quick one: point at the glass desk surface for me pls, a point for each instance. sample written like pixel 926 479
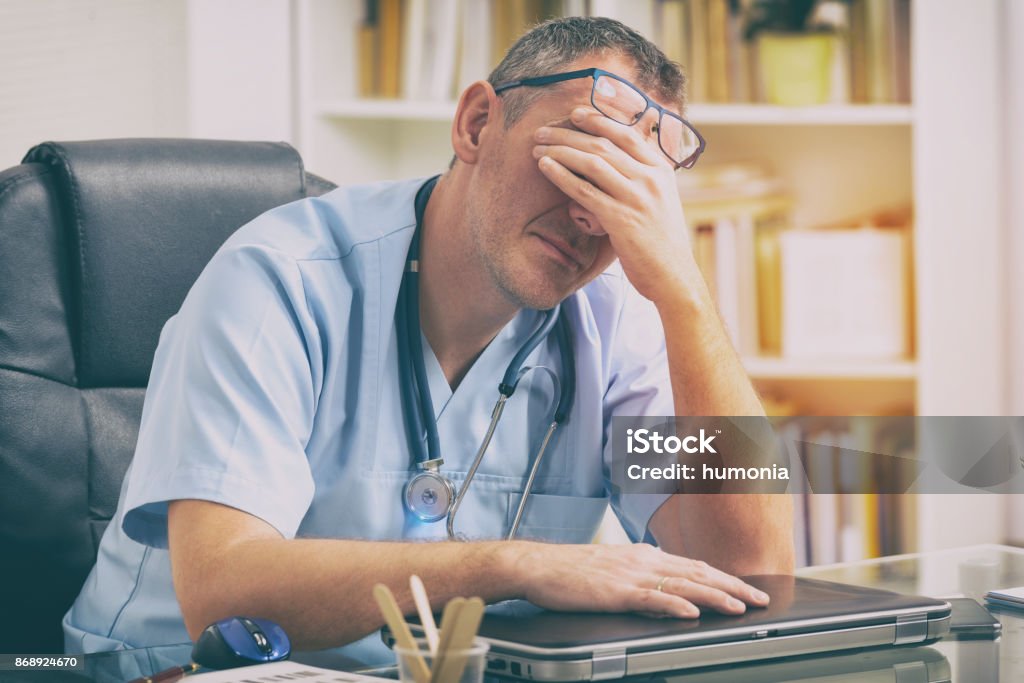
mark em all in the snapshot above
pixel 945 574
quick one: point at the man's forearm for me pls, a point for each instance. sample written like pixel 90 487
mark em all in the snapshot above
pixel 708 379
pixel 707 375
pixel 329 583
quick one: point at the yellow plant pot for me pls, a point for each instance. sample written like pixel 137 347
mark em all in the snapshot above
pixel 796 68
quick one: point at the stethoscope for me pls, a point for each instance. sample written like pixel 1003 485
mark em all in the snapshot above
pixel 430 495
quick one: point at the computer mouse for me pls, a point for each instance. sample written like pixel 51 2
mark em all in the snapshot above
pixel 240 641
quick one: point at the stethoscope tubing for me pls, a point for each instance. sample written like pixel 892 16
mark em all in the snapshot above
pixel 416 399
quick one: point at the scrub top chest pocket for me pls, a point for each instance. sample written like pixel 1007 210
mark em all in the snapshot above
pixel 558 519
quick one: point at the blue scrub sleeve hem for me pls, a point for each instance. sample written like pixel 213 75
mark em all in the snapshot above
pixel 635 510
pixel 146 518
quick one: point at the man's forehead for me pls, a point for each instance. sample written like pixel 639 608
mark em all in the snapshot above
pixel 577 91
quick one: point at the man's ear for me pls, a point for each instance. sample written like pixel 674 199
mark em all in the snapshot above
pixel 478 112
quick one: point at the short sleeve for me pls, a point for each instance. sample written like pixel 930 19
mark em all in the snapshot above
pixel 638 385
pixel 231 399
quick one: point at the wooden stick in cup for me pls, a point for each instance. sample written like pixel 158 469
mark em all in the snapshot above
pixel 400 629
pixel 449 668
pixel 449 617
pixel 419 596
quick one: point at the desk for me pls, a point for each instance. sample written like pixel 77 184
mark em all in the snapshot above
pixel 935 574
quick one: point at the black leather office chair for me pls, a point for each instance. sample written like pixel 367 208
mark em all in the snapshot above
pixel 99 243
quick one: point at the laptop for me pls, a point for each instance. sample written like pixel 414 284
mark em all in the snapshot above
pixel 876 665
pixel 806 616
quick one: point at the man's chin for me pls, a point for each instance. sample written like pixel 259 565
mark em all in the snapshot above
pixel 540 299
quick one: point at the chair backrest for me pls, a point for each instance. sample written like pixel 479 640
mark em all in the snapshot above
pixel 99 243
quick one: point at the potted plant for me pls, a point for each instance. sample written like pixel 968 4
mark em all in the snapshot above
pixel 796 46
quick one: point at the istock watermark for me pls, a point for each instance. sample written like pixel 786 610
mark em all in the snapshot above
pixel 890 454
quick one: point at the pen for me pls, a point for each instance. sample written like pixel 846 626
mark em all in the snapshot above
pixel 168 675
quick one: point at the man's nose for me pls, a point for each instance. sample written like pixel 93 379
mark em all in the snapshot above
pixel 647 124
pixel 584 220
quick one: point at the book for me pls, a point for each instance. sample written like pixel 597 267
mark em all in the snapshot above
pixel 878 50
pixel 474 43
pixel 507 21
pixel 440 50
pixel 672 33
pixel 366 46
pixel 844 294
pixel 704 255
pixel 727 278
pixel 746 283
pixel 717 56
pixel 697 59
pixel 414 30
pixel 389 48
pixel 769 285
pixel 901 37
pixel 824 507
pixel 858 67
pixel 738 72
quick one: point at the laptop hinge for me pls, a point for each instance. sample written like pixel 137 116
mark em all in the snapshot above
pixel 911 628
pixel 609 664
pixel 911 672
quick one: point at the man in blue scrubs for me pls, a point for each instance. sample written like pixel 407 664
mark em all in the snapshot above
pixel 268 477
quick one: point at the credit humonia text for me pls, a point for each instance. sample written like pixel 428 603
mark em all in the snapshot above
pixel 646 441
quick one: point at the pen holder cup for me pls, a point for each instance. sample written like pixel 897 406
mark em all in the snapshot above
pixel 454 666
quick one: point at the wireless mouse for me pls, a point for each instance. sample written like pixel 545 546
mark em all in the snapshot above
pixel 240 641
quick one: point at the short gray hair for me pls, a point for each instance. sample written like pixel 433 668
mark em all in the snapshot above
pixel 551 45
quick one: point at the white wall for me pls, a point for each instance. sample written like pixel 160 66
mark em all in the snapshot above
pixel 1013 115
pixel 239 69
pixel 74 69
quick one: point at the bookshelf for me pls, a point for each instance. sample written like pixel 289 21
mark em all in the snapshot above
pixel 940 155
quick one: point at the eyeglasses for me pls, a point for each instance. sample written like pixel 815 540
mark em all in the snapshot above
pixel 624 103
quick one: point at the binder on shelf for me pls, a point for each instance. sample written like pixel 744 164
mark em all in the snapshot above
pixel 844 294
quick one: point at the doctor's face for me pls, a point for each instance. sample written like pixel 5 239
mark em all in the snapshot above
pixel 538 245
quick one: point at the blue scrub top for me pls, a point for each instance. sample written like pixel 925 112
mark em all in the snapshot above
pixel 275 390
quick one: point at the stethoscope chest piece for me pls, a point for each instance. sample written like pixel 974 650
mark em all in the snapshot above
pixel 429 494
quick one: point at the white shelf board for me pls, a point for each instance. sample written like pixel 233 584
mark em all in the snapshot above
pixel 824 115
pixel 704 114
pixel 785 368
pixel 397 110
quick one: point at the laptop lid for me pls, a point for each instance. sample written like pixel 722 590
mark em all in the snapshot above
pixel 805 616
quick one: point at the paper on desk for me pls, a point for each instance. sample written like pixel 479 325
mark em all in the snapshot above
pixel 281 672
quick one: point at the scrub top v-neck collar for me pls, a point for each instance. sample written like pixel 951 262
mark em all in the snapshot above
pixel 480 383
